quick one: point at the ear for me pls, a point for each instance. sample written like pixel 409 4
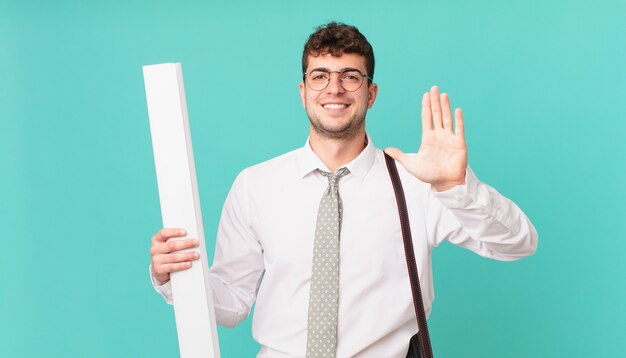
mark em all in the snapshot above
pixel 372 92
pixel 302 90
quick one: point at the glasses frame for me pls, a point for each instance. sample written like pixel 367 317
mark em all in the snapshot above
pixel 340 80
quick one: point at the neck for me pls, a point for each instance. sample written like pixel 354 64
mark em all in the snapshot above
pixel 336 153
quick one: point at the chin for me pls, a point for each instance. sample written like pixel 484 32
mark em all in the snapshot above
pixel 347 131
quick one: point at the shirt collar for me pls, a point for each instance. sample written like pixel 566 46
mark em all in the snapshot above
pixel 359 167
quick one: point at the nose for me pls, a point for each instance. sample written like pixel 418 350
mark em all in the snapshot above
pixel 334 86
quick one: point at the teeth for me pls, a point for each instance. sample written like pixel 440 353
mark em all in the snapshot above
pixel 335 106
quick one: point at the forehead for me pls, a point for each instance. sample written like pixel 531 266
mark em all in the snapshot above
pixel 336 63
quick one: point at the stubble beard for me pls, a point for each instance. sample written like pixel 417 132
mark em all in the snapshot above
pixel 345 132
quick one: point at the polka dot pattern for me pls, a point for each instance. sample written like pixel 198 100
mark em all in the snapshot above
pixel 324 293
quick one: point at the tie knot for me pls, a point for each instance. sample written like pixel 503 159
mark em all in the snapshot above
pixel 333 179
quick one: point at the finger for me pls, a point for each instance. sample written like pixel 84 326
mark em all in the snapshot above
pixel 175 258
pixel 159 248
pixel 460 124
pixel 164 234
pixel 447 115
pixel 169 268
pixel 435 107
pixel 177 245
pixel 427 119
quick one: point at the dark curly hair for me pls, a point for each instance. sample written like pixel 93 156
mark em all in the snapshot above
pixel 335 38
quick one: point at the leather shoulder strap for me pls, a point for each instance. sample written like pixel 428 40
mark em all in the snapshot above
pixel 410 258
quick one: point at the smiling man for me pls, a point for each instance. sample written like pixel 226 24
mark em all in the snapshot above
pixel 313 236
pixel 337 111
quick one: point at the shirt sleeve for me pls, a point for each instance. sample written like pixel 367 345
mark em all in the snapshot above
pixel 475 216
pixel 164 289
pixel 238 262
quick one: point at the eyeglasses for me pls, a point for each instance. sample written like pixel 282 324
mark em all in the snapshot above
pixel 351 79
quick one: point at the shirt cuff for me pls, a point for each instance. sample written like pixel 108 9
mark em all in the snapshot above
pixel 164 290
pixel 459 196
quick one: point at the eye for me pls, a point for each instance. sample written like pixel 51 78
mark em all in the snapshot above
pixel 319 76
pixel 351 76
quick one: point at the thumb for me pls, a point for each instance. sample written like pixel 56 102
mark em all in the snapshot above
pixel 397 155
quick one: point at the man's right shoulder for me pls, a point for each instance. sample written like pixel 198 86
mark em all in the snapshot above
pixel 282 165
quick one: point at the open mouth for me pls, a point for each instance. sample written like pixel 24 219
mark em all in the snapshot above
pixel 335 106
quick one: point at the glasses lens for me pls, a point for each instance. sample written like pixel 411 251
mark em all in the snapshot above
pixel 351 80
pixel 318 80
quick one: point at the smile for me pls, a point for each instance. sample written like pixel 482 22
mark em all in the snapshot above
pixel 335 105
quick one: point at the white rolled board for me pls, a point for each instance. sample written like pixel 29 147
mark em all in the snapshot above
pixel 180 206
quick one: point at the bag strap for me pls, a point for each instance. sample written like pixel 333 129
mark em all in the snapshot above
pixel 418 303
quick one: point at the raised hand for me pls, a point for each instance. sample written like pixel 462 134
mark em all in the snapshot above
pixel 442 157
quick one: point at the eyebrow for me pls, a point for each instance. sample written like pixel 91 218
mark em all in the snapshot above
pixel 341 70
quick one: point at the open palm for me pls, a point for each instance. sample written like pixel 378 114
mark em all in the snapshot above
pixel 442 157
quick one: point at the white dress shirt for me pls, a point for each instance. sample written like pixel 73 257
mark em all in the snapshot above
pixel 265 245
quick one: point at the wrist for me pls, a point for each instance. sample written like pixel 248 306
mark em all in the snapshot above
pixel 443 186
pixel 161 279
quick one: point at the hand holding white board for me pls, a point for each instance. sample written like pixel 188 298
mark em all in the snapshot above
pixel 180 206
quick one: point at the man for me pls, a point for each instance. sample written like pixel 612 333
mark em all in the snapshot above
pixel 279 244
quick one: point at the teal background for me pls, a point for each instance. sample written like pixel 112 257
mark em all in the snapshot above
pixel 542 85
